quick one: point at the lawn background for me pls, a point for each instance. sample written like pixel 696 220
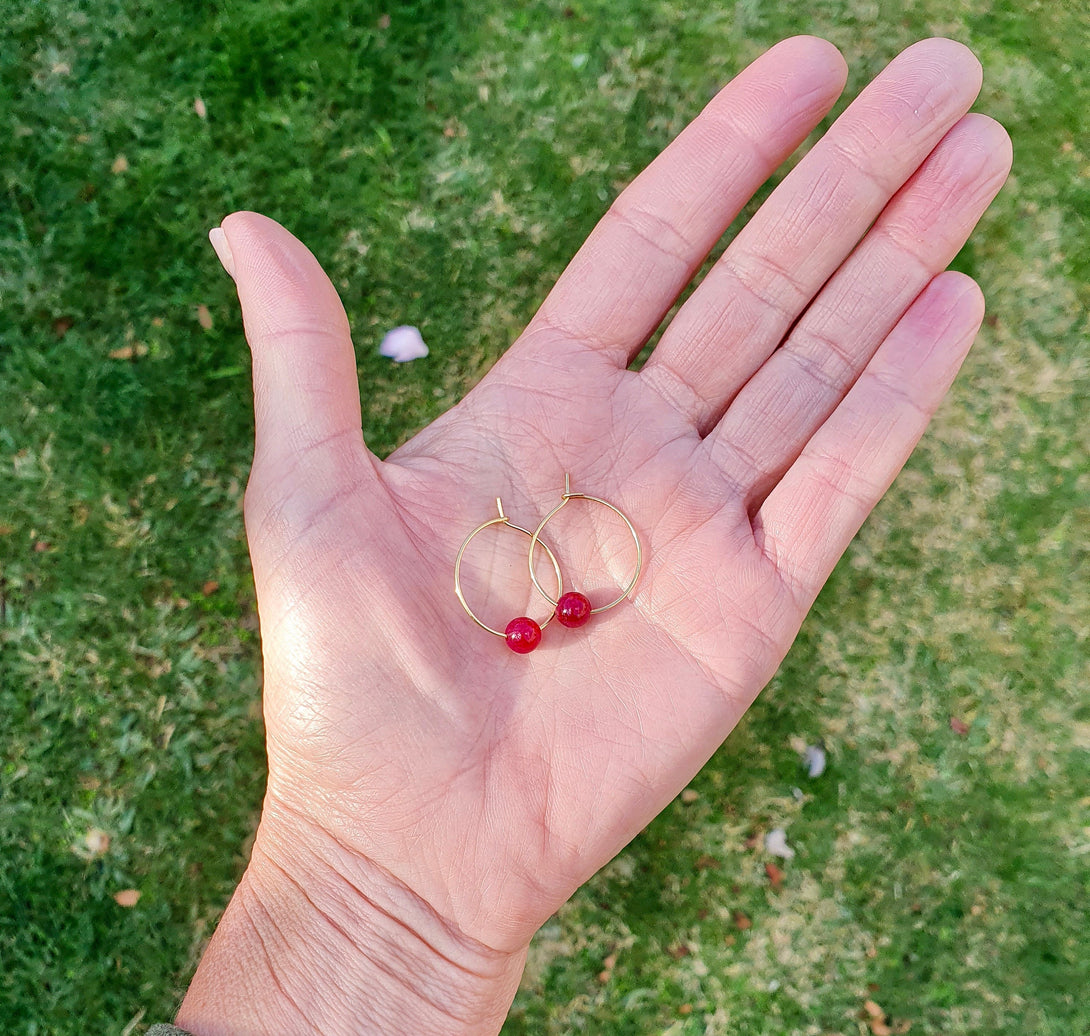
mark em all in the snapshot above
pixel 443 160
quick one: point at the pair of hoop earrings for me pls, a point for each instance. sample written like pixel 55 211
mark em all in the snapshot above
pixel 571 609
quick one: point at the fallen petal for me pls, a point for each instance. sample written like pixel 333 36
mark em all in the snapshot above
pixel 959 726
pixel 131 351
pixel 96 843
pixel 775 876
pixel 776 844
pixel 403 344
pixel 814 760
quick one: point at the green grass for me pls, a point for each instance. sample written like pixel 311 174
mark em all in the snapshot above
pixel 444 168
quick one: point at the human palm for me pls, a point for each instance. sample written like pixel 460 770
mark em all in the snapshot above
pixel 778 405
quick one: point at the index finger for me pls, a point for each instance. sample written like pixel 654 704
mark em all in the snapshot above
pixel 647 247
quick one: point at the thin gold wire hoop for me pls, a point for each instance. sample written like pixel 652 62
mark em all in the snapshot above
pixel 536 541
pixel 502 520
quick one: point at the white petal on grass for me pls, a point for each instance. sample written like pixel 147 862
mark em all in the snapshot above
pixel 776 844
pixel 814 760
pixel 403 344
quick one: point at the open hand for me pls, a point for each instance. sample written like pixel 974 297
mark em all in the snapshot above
pixel 434 797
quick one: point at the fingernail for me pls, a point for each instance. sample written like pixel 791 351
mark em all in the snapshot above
pixel 223 249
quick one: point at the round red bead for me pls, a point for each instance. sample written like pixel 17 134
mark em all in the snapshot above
pixel 573 609
pixel 522 635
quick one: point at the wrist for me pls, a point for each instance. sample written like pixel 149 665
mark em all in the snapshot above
pixel 317 940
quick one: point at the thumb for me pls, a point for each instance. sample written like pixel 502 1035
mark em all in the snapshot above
pixel 306 394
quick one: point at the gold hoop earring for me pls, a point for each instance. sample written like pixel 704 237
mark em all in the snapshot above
pixel 573 609
pixel 522 634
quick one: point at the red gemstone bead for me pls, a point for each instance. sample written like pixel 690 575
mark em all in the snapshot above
pixel 523 635
pixel 572 610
